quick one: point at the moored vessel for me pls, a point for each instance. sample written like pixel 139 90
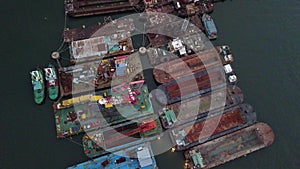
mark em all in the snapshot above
pixel 37 81
pixel 186 9
pixel 229 147
pixel 210 27
pixel 70 115
pixel 78 8
pixel 196 20
pixel 191 64
pixel 193 44
pixel 96 75
pixel 169 9
pixel 100 29
pixel 198 107
pixel 201 83
pixel 102 108
pixel 213 126
pixel 67 120
pixel 52 82
pixel 121 136
pixel 100 47
pixel 225 53
pixel 138 156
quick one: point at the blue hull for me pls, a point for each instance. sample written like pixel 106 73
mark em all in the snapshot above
pixel 121 160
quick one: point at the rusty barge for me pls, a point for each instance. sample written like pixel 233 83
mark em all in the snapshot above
pixel 78 8
pixel 97 75
pixel 213 126
pixel 179 7
pixel 190 65
pixel 229 147
pixel 201 83
pixel 169 9
pixel 198 107
pixel 121 136
pixel 100 29
pixel 186 8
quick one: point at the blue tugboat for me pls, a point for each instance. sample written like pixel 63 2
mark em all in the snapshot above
pixel 210 27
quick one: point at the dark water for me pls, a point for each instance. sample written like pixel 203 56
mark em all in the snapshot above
pixel 264 36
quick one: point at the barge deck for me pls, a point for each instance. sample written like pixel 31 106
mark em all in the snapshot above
pixel 121 136
pixel 201 83
pixel 208 128
pixel 198 107
pixel 102 109
pixel 189 65
pixel 193 42
pixel 101 47
pixel 196 8
pixel 229 147
pixel 100 29
pixel 96 75
pixel 78 8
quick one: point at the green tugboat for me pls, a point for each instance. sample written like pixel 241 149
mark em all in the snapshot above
pixel 37 81
pixel 52 82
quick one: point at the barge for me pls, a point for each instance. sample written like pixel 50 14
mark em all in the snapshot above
pixel 213 126
pixel 101 47
pixel 158 40
pixel 67 121
pixel 196 20
pixel 100 29
pixel 78 8
pixel 163 28
pixel 169 9
pixel 176 48
pixel 102 109
pixel 121 136
pixel 198 107
pixel 192 44
pixel 229 147
pixel 201 83
pixel 138 156
pixel 71 115
pixel 96 75
pixel 156 3
pixel 186 9
pixel 186 45
pixel 190 65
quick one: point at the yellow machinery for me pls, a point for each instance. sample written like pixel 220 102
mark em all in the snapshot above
pixel 80 99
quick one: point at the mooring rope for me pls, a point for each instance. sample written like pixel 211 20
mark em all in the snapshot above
pixel 62 35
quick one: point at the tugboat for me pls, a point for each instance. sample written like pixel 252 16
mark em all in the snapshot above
pixel 37 81
pixel 210 26
pixel 52 82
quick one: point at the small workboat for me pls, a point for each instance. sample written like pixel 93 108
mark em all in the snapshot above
pixel 38 85
pixel 52 82
pixel 210 27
